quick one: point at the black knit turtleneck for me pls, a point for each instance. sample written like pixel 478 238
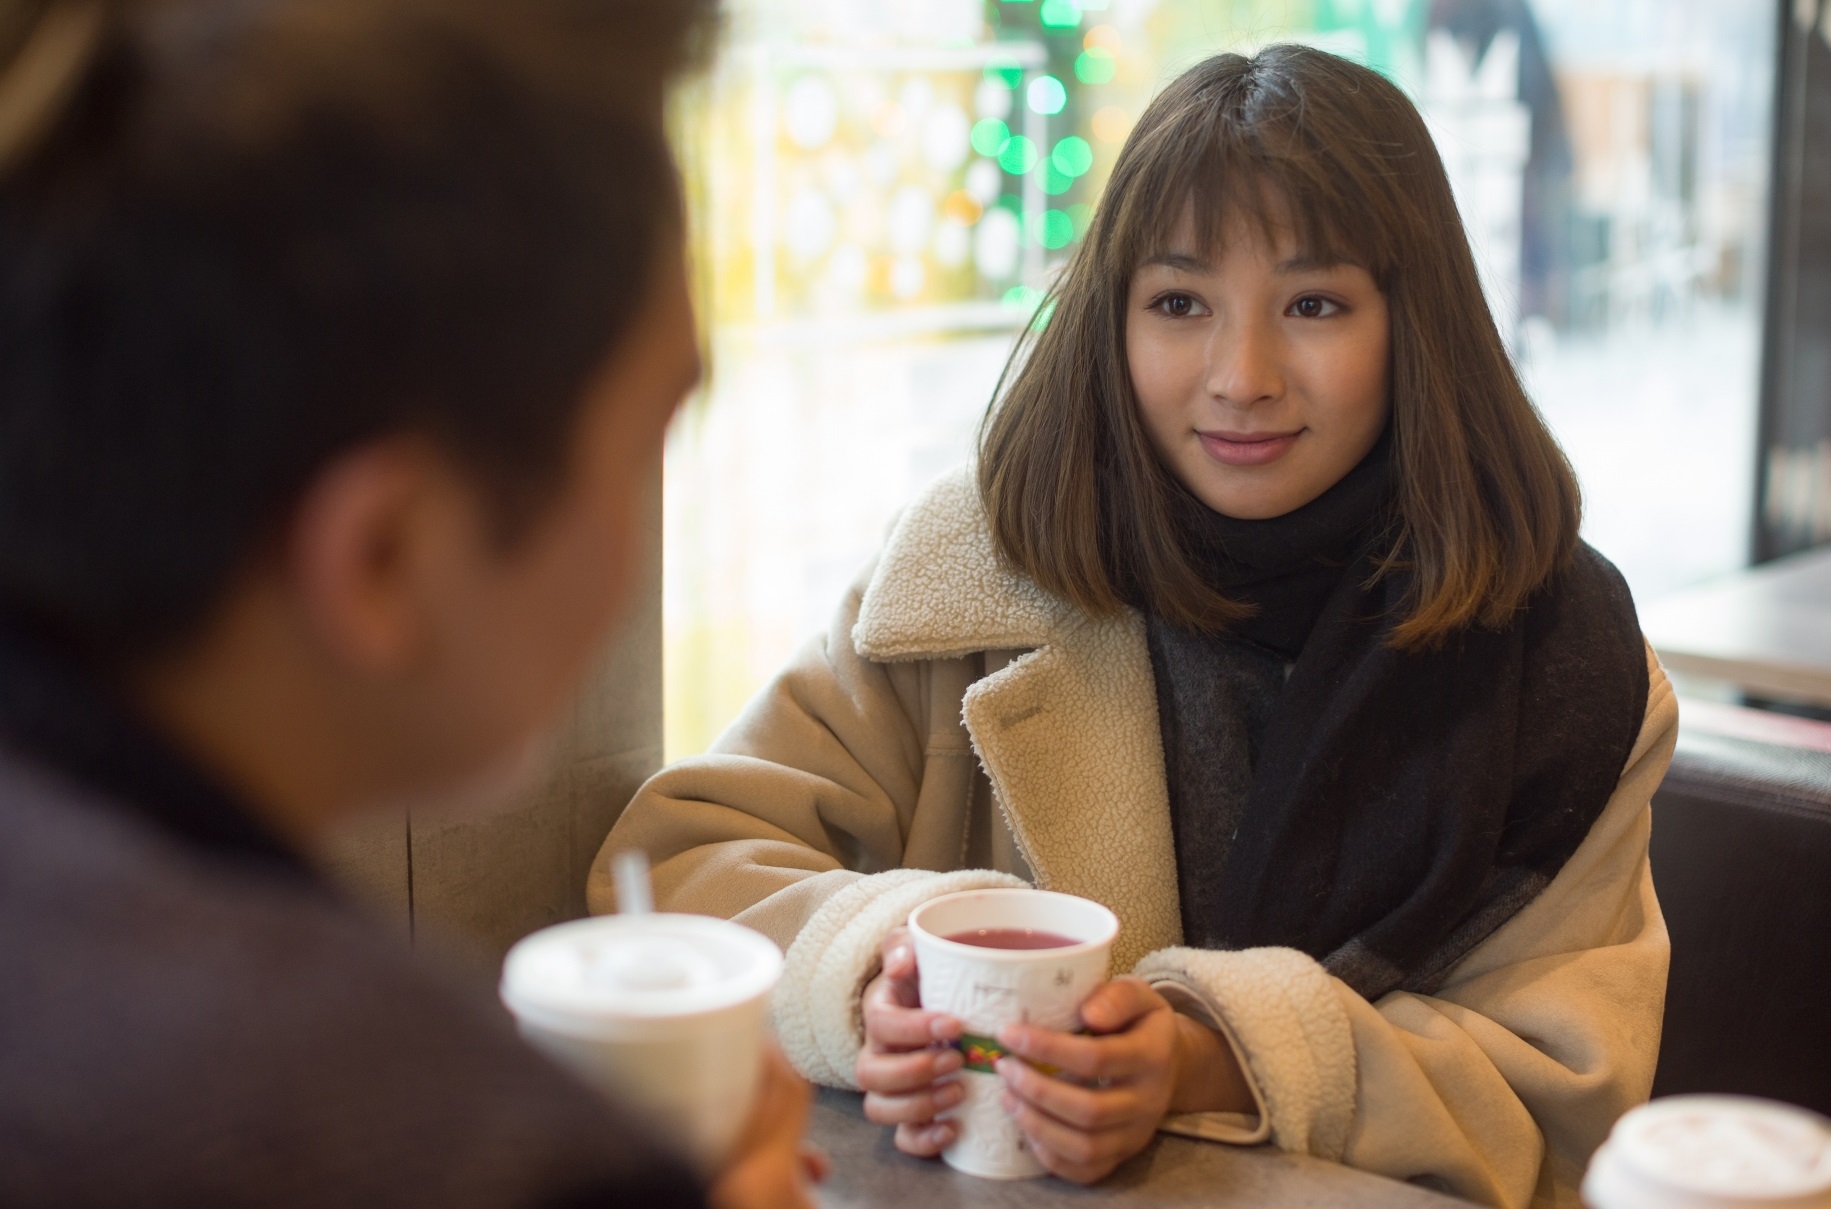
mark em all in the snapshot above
pixel 1215 691
pixel 1382 809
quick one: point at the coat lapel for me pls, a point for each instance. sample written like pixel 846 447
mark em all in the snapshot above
pixel 1067 732
pixel 1068 735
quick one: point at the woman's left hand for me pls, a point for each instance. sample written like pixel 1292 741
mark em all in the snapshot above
pixel 1113 1087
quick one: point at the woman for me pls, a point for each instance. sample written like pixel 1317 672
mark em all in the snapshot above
pixel 1263 620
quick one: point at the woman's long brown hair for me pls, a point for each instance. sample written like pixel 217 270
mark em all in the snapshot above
pixel 1486 506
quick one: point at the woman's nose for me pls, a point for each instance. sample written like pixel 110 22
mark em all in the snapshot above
pixel 1243 364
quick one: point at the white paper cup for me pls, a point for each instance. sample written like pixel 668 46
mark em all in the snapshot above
pixel 987 989
pixel 666 1013
pixel 1713 1152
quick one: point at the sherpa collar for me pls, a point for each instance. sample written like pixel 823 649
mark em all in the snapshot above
pixel 940 591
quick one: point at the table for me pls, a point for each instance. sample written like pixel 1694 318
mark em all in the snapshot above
pixel 1172 1172
pixel 1765 630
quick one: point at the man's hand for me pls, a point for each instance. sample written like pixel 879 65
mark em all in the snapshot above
pixel 773 1167
pixel 905 1063
pixel 1112 1088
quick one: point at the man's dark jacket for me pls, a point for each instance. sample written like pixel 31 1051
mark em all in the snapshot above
pixel 190 1017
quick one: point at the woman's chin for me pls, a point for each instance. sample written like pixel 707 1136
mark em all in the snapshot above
pixel 1253 501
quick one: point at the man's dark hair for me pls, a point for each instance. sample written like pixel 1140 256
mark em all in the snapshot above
pixel 253 233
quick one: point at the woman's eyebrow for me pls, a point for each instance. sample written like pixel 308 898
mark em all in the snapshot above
pixel 1309 262
pixel 1177 260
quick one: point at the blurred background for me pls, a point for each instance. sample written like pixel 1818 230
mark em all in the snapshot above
pixel 882 188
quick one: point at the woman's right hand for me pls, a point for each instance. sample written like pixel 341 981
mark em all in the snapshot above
pixel 906 1062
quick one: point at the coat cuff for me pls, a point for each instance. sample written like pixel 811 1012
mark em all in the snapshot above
pixel 817 1011
pixel 1236 1129
pixel 1280 1011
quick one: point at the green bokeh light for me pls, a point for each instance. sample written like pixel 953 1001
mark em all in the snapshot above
pixel 1018 155
pixel 1047 95
pixel 1052 229
pixel 1061 14
pixel 1095 66
pixel 990 136
pixel 1072 156
pixel 1008 74
pixel 1054 180
pixel 1024 296
pixel 1057 229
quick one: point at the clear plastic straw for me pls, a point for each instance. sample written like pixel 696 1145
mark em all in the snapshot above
pixel 635 896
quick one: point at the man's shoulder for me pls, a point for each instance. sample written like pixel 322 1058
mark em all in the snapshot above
pixel 128 949
pixel 89 884
pixel 172 1018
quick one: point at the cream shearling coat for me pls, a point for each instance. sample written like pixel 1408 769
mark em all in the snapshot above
pixel 958 728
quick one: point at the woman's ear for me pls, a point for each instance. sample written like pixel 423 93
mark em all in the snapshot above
pixel 356 551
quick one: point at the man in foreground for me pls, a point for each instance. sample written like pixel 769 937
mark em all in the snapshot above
pixel 337 339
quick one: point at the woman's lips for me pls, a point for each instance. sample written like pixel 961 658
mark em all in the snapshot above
pixel 1248 448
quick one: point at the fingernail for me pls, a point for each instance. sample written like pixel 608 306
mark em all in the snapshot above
pixel 1011 1037
pixel 950 1095
pixel 900 953
pixel 944 1028
pixel 1004 1067
pixel 1007 1101
pixel 942 1135
pixel 948 1061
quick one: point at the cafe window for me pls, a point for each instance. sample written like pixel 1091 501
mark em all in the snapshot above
pixel 881 191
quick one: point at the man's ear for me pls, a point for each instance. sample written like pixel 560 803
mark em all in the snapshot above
pixel 355 547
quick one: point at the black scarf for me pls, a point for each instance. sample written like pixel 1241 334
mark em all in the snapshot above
pixel 1389 809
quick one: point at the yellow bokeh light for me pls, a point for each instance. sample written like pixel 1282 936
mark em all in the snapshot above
pixel 1103 37
pixel 1111 124
pixel 889 121
pixel 962 207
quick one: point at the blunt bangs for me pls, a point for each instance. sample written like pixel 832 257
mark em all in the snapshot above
pixel 1242 154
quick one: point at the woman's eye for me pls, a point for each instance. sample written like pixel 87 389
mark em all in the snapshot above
pixel 1177 306
pixel 1312 307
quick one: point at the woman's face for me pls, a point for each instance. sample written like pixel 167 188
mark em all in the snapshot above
pixel 1262 378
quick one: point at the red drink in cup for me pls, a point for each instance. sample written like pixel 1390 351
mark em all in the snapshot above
pixel 1012 938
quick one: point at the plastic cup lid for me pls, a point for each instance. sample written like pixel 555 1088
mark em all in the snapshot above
pixel 642 965
pixel 1733 1148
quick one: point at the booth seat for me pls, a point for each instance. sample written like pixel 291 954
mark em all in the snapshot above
pixel 1741 855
